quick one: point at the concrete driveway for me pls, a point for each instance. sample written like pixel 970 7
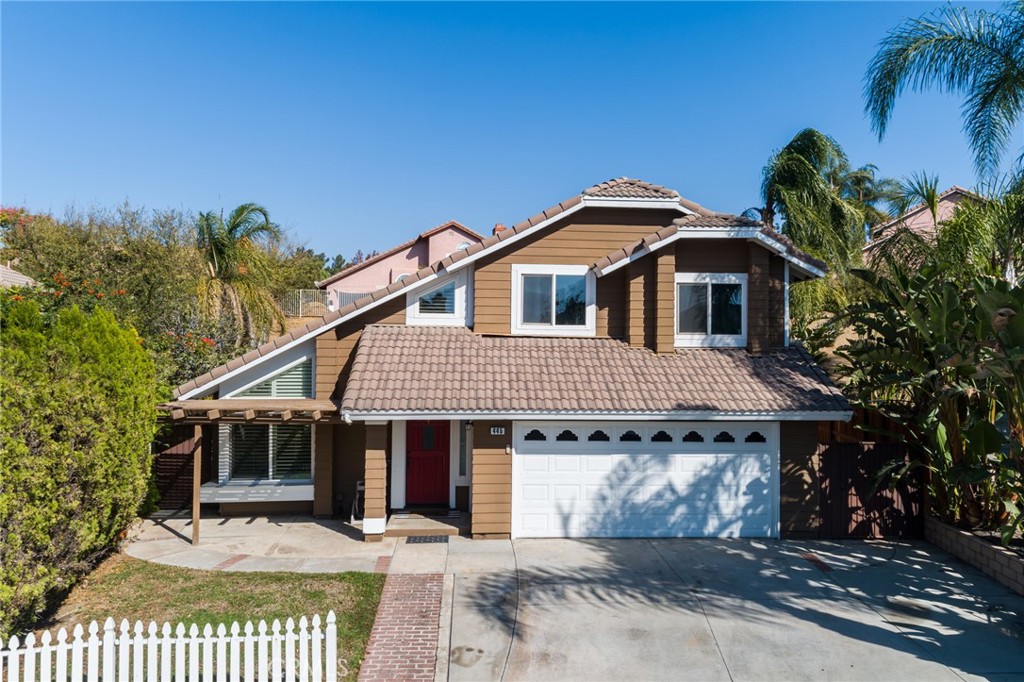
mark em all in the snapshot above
pixel 720 610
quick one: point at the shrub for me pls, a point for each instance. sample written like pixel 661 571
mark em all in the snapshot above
pixel 78 399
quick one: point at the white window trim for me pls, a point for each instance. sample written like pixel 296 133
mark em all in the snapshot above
pixel 521 329
pixel 226 462
pixel 711 340
pixel 459 318
pixel 274 371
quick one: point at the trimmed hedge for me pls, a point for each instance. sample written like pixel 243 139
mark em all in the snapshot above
pixel 78 399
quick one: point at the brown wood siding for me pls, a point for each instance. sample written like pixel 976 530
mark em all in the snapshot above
pixel 492 479
pixel 799 513
pixel 711 255
pixel 635 303
pixel 580 239
pixel 335 348
pixel 349 448
pixel 758 286
pixel 777 301
pixel 376 471
pixel 611 305
pixel 323 465
pixel 665 296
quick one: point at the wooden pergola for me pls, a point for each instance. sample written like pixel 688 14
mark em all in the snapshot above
pixel 239 411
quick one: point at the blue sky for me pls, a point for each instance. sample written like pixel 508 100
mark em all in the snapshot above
pixel 359 125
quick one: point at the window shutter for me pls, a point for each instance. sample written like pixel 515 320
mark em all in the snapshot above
pixel 292 451
pixel 295 382
pixel 249 444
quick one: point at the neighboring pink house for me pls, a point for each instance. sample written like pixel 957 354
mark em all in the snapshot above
pixel 405 259
pixel 919 218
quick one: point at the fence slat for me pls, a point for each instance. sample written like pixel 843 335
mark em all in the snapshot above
pixel 108 650
pixel 45 658
pixel 77 652
pixel 208 645
pixel 193 653
pixel 318 638
pixel 261 652
pixel 222 654
pixel 235 648
pixel 303 649
pixel 123 644
pixel 282 653
pixel 93 657
pixel 275 651
pixel 30 658
pixel 61 673
pixel 289 650
pixel 331 645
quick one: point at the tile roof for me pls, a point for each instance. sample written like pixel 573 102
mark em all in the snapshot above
pixel 9 277
pixel 451 369
pixel 879 230
pixel 715 220
pixel 404 245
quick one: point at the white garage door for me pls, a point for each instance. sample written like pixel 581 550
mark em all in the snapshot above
pixel 682 479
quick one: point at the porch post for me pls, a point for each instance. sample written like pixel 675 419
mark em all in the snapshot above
pixel 375 478
pixel 197 479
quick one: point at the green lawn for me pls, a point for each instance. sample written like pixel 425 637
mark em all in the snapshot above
pixel 122 587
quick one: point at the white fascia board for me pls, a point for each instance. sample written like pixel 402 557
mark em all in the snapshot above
pixel 695 415
pixel 208 387
pixel 716 233
pixel 615 202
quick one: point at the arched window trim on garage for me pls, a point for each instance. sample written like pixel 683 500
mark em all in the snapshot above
pixel 599 436
pixel 725 437
pixel 755 437
pixel 567 435
pixel 693 437
pixel 630 436
pixel 662 436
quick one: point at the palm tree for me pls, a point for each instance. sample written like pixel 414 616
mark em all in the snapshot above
pixel 239 277
pixel 796 186
pixel 975 53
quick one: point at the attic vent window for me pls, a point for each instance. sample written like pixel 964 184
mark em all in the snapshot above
pixel 440 301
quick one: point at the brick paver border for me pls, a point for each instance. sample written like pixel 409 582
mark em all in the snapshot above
pixel 383 564
pixel 403 642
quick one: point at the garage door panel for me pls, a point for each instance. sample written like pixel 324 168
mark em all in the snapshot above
pixel 660 489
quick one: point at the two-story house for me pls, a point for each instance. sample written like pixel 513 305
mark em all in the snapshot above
pixel 618 365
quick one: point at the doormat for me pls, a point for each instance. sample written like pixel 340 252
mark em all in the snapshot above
pixel 424 539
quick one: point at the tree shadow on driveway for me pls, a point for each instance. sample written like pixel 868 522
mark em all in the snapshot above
pixel 770 609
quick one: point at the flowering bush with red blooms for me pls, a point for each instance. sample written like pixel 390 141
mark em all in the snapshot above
pixel 193 346
pixel 14 217
pixel 58 292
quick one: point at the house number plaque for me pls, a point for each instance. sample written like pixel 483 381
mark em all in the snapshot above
pixel 497 430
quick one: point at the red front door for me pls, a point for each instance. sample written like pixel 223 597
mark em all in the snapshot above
pixel 426 462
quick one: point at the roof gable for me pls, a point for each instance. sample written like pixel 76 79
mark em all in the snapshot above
pixel 619 191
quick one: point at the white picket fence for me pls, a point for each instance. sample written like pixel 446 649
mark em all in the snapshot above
pixel 305 652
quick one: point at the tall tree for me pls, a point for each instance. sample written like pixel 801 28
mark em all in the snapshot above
pixel 796 187
pixel 974 53
pixel 240 279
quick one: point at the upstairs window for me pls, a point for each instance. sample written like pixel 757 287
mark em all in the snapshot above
pixel 553 300
pixel 444 303
pixel 711 309
pixel 293 382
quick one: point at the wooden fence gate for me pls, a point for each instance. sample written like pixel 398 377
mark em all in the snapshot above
pixel 853 503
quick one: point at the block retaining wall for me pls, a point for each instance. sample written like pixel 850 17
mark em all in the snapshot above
pixel 998 563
